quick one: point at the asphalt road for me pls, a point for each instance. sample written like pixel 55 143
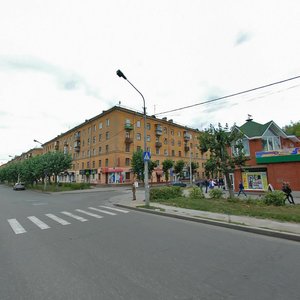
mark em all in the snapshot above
pixel 132 255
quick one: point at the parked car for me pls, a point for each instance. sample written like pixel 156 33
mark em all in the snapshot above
pixel 19 186
pixel 178 183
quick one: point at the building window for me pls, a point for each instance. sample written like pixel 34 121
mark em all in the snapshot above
pixel 100 125
pixel 165 152
pixel 106 148
pixel 138 136
pixel 172 132
pixel 165 130
pixel 165 141
pixel 88 141
pixel 148 126
pixel 88 153
pixel 172 142
pixel 179 153
pixel 179 133
pixel 95 128
pixel 100 163
pixel 93 164
pixel 106 162
pixel 173 152
pixel 100 150
pixel 100 137
pixel 157 151
pixel 127 134
pixel 245 150
pixel 107 122
pixel 82 165
pixel 94 152
pixel 89 130
pixel 127 147
pixel 271 143
pixel 138 124
pixel 138 148
pixel 127 161
pixel 83 143
pixel 88 165
pixel 148 138
pixel 179 143
pixel 94 139
pixel 107 135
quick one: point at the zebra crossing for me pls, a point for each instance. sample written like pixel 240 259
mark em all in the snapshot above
pixel 18 228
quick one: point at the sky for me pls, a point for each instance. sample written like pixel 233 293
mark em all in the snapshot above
pixel 58 63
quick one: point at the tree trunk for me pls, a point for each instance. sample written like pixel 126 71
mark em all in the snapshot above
pixel 229 185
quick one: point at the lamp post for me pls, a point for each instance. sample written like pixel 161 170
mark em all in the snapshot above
pixel 146 181
pixel 36 141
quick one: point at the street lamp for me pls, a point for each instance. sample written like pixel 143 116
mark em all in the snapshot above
pixel 36 141
pixel 120 74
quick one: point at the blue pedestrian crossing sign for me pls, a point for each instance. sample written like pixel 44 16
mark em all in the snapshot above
pixel 147 155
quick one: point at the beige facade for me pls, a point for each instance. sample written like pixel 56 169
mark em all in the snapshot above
pixel 102 147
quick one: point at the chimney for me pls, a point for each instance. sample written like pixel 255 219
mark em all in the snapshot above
pixel 249 118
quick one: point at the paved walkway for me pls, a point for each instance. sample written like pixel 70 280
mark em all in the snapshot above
pixel 262 226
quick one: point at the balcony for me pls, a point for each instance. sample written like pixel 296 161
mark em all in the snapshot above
pixel 77 136
pixel 186 137
pixel 158 130
pixel 186 148
pixel 128 126
pixel 277 156
pixel 158 144
pixel 128 140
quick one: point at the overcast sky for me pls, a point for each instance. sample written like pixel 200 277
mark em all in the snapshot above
pixel 58 62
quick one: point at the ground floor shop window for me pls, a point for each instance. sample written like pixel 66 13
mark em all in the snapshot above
pixel 255 180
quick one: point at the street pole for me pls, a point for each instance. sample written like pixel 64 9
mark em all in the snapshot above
pixel 146 179
pixel 191 175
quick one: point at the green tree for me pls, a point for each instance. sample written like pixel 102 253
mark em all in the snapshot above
pixel 218 142
pixel 195 166
pixel 178 168
pixel 137 164
pixel 167 164
pixel 56 162
pixel 293 128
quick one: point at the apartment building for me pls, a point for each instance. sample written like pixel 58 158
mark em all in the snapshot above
pixel 102 147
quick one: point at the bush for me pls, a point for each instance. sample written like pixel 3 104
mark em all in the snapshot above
pixel 165 192
pixel 215 193
pixel 196 193
pixel 276 198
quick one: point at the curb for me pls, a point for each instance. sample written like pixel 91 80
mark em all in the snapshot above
pixel 256 230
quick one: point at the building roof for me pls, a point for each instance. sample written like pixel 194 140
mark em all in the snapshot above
pixel 254 130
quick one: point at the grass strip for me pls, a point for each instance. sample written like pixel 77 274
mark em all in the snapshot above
pixel 251 208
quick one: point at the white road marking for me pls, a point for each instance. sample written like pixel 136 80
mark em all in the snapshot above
pixel 116 209
pixel 89 213
pixel 57 219
pixel 16 226
pixel 103 211
pixel 74 216
pixel 38 222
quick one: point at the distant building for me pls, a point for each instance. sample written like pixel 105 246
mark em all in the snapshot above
pixel 273 155
pixel 102 147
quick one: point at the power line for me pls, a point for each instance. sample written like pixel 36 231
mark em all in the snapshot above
pixel 230 95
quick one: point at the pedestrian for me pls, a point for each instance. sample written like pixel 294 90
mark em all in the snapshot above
pixel 212 184
pixel 206 184
pixel 134 186
pixel 288 192
pixel 241 189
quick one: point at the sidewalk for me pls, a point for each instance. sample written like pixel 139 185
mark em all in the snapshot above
pixel 284 230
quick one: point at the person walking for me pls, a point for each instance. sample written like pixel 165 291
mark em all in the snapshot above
pixel 288 192
pixel 241 189
pixel 134 186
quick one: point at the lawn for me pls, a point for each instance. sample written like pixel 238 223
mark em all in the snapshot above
pixel 251 208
